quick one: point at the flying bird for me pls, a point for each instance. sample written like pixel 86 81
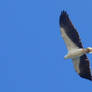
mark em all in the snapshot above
pixel 75 48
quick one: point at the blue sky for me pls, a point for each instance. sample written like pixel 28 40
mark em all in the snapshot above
pixel 32 50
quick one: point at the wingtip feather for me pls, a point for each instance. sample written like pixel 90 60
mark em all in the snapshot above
pixel 63 18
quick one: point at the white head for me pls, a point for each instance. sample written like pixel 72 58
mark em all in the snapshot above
pixel 89 50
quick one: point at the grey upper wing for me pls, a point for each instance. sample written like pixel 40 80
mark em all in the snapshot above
pixel 82 66
pixel 69 30
pixel 85 67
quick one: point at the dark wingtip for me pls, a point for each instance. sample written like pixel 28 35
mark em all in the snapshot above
pixel 91 78
pixel 64 13
pixel 86 76
pixel 63 18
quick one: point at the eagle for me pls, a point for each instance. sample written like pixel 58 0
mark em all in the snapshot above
pixel 76 51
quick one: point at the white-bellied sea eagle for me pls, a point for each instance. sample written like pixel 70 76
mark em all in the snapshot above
pixel 75 48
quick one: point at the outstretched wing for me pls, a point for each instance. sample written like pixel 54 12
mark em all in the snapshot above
pixel 69 33
pixel 82 66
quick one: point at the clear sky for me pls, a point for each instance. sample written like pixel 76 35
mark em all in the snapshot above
pixel 32 50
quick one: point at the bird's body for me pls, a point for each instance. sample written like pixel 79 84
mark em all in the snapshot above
pixel 75 49
pixel 75 53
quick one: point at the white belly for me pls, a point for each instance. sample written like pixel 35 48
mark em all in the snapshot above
pixel 74 53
